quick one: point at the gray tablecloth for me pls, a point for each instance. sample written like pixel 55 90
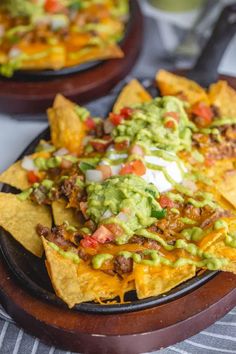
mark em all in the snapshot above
pixel 219 338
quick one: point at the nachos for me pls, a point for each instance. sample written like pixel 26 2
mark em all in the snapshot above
pixel 142 200
pixel 55 34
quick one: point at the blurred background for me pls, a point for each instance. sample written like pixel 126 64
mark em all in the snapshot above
pixel 176 31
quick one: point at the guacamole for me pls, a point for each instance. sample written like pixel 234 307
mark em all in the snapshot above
pixel 129 195
pixel 148 125
pixel 20 7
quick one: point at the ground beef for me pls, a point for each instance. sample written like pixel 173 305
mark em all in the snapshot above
pixel 215 216
pixel 42 230
pixel 152 244
pixel 215 111
pixel 83 255
pixel 123 265
pixel 191 212
pixel 224 150
pixel 137 239
pixel 67 186
pixel 56 235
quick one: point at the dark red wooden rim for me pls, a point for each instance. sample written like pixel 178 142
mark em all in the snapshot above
pixel 133 332
pixel 35 97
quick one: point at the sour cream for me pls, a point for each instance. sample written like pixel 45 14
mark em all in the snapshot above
pixel 158 178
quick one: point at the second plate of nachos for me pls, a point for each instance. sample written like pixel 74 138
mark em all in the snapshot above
pixel 140 202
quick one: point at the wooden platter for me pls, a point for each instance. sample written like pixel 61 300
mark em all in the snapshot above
pixel 18 97
pixel 130 333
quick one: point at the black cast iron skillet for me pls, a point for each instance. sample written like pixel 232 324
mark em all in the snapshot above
pixel 30 271
pixel 47 74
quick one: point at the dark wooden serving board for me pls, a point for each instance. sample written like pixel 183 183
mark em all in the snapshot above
pixel 18 97
pixel 130 333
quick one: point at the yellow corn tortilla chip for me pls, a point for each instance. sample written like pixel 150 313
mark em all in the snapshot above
pixel 227 188
pixel 174 85
pixel 156 280
pixel 20 219
pixel 133 93
pixel 62 214
pixel 54 58
pixel 67 130
pixel 76 283
pixel 210 239
pixel 94 53
pixel 61 101
pixel 223 97
pixel 15 176
pixel 221 250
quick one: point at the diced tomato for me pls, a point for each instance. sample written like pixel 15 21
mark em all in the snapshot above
pixel 106 171
pixel 52 6
pixel 90 123
pixel 136 167
pixel 170 123
pixel 116 119
pixel 100 146
pixel 115 229
pixel 103 235
pixel 83 208
pixel 32 177
pixel 174 115
pixel 166 202
pixel 126 112
pixel 208 162
pixel 126 170
pixel 203 111
pixel 89 242
pixel 137 150
pixel 122 146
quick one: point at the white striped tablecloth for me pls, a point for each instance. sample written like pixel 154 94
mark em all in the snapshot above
pixel 219 338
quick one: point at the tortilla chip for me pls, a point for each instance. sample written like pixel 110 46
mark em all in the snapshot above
pixel 62 214
pixel 156 280
pixel 61 101
pixel 20 218
pixel 94 53
pixel 132 94
pixel 220 250
pixel 76 283
pixel 222 96
pixel 175 85
pixel 15 176
pixel 67 130
pixel 54 58
pixel 227 188
pixel 210 239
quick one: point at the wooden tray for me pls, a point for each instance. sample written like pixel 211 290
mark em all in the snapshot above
pixel 18 97
pixel 130 333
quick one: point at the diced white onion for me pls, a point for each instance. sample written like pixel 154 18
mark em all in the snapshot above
pixel 61 152
pixel 115 170
pixel 107 214
pixel 190 185
pixel 122 217
pixel 28 164
pixel 14 52
pixel 108 126
pixel 59 21
pixel 93 176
